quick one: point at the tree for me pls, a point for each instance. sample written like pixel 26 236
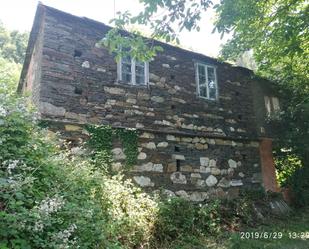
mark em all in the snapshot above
pixel 13 44
pixel 9 75
pixel 12 51
pixel 186 14
pixel 277 32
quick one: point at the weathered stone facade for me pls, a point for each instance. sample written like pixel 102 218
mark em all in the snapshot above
pixel 194 147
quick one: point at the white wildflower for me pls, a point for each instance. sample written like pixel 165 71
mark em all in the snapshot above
pixel 3 112
pixel 65 237
pixel 35 116
pixel 78 151
pixel 50 205
pixel 38 226
pixel 10 165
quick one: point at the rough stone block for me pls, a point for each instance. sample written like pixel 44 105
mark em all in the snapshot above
pixel 204 161
pixel 171 167
pixel 235 183
pixel 183 194
pixel 157 99
pixel 211 181
pixel 171 138
pixel 49 109
pixel 224 183
pixel 118 154
pixel 186 168
pixel 232 163
pixel 178 178
pixel 204 169
pixel 142 156
pixel 212 163
pixel 72 128
pixel 178 157
pixel 198 196
pixel 157 167
pixel 147 135
pixel 143 181
pixel 86 64
pixel 114 90
pixel 162 144
pixel 215 171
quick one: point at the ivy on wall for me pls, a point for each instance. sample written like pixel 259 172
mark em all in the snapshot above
pixel 129 140
pixel 101 141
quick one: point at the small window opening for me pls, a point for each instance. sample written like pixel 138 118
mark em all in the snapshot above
pixel 172 107
pixel 239 117
pixel 237 93
pixel 244 157
pixel 172 77
pixel 177 149
pixel 78 90
pixel 77 53
pixel 178 165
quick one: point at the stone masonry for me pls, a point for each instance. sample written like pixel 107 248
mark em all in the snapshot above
pixel 189 146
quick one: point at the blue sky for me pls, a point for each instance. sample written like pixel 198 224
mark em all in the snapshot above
pixel 19 14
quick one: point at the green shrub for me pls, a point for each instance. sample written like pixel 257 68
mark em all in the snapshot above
pixel 300 186
pixel 100 142
pixel 52 198
pixel 293 174
pixel 130 213
pixel 255 194
pixel 46 198
pixel 237 213
pixel 286 166
pixel 176 217
pixel 209 217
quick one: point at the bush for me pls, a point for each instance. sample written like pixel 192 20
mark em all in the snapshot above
pixel 130 213
pixel 46 198
pixel 300 186
pixel 209 217
pixel 286 165
pixel 293 174
pixel 176 217
pixel 58 199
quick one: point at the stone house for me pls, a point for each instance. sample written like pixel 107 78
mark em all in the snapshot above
pixel 201 121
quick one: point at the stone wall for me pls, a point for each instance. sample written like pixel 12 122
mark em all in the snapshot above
pixel 32 82
pixel 194 167
pixel 85 87
pixel 189 146
pixel 190 164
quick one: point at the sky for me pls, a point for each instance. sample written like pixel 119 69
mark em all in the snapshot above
pixel 19 14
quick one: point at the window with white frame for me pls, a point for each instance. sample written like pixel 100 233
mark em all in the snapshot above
pixel 206 78
pixel 133 72
pixel 271 104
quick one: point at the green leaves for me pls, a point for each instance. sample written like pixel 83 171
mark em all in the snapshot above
pixel 123 44
pixel 101 142
pixel 277 33
pixel 165 18
pixel 12 45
